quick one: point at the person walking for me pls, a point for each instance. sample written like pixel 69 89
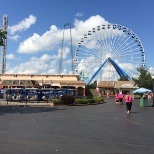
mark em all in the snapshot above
pixel 128 101
pixel 152 100
pixel 107 95
pixel 120 95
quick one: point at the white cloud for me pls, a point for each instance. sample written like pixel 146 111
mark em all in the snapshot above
pixel 45 57
pixel 34 66
pixel 93 21
pixel 151 70
pixel 53 38
pixel 11 56
pixel 52 71
pixel 79 14
pixel 23 25
pixel 48 41
pixel 46 64
pixel 65 52
pixel 15 37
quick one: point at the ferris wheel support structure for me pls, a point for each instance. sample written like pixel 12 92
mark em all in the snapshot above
pixel 120 71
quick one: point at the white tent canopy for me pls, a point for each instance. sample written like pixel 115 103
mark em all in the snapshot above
pixel 141 90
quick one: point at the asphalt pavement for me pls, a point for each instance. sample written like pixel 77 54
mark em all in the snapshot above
pixel 92 129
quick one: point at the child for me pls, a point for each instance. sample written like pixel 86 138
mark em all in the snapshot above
pixel 107 95
pixel 117 99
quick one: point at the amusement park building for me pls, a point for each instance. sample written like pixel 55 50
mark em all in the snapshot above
pixel 43 81
pixel 62 81
pixel 113 87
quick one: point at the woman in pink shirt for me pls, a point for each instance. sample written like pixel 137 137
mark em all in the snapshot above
pixel 128 100
pixel 120 95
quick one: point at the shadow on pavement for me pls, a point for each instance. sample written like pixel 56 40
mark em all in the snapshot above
pixel 148 106
pixel 134 112
pixel 26 109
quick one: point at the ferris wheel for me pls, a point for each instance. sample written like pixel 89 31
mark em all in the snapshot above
pixel 109 41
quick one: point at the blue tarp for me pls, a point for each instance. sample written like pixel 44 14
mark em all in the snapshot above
pixel 141 90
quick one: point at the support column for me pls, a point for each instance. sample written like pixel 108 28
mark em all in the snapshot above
pixel 84 91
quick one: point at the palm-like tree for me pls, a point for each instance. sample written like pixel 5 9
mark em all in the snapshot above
pixel 2 36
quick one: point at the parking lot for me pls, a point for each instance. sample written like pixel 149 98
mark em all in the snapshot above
pixel 91 129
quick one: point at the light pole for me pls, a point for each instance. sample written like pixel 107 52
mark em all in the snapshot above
pixel 51 84
pixel 67 84
pixel 42 83
pixel 67 87
pixel 153 90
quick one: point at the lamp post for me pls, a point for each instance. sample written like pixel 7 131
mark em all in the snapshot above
pixel 42 83
pixel 153 90
pixel 67 84
pixel 67 87
pixel 51 84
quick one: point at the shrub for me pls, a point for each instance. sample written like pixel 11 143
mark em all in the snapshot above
pixel 78 101
pixel 98 99
pixel 56 101
pixel 81 101
pixel 85 101
pixel 68 100
pixel 91 101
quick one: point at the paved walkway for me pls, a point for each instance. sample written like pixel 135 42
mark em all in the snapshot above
pixel 93 129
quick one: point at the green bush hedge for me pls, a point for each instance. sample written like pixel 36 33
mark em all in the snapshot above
pixel 98 99
pixel 81 101
pixel 69 100
pixel 89 101
pixel 56 101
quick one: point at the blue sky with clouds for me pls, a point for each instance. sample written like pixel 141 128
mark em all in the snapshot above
pixel 35 29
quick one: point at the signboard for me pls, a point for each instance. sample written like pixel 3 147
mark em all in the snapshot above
pixel 127 85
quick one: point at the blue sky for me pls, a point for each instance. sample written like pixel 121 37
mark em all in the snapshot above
pixel 35 29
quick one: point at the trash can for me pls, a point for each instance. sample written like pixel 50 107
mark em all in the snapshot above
pixel 143 102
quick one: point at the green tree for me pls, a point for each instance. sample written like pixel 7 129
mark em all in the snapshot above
pixel 123 78
pixel 144 79
pixel 92 85
pixel 2 37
